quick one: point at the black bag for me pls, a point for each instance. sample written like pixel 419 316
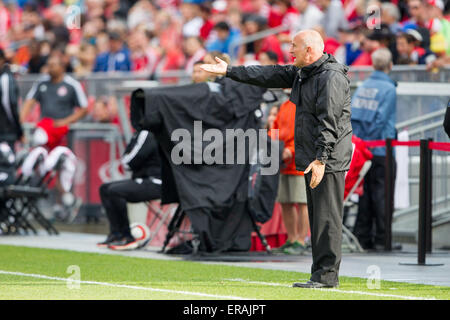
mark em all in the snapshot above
pixel 262 189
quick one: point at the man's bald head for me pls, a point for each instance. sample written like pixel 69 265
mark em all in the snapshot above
pixel 307 47
pixel 312 39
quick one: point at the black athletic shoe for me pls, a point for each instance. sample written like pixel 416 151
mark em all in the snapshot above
pixel 126 243
pixel 109 239
pixel 394 246
pixel 313 285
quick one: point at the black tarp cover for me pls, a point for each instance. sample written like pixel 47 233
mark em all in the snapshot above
pixel 223 104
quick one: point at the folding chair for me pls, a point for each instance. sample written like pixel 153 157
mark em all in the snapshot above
pixel 12 220
pixel 254 182
pixel 174 228
pixel 14 195
pixel 158 216
pixel 22 204
pixel 20 198
pixel 7 176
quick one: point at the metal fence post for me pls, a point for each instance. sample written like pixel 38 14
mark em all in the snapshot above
pixel 389 181
pixel 429 205
pixel 423 198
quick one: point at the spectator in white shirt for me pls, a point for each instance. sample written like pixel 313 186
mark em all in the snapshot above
pixel 310 15
pixel 192 21
pixel 333 18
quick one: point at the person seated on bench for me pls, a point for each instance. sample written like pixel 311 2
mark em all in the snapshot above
pixel 142 158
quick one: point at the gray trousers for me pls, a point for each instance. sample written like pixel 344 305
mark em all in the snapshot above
pixel 325 210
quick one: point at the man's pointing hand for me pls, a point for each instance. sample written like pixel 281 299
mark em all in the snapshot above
pixel 219 68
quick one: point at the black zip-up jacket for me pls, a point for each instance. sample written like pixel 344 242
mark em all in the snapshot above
pixel 10 128
pixel 321 92
pixel 142 156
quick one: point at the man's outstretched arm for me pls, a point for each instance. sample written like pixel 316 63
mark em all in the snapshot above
pixel 275 76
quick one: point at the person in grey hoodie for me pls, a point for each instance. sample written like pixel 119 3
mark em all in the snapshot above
pixel 323 147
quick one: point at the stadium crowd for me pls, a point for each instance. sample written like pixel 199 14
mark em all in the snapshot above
pixel 149 37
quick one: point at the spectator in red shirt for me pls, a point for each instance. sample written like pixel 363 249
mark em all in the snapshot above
pixel 144 57
pixel 208 24
pixel 252 25
pixel 260 8
pixel 282 13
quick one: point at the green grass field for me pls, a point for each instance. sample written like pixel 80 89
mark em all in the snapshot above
pixel 30 273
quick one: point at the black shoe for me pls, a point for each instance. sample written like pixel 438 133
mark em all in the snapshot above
pixel 367 245
pixel 313 285
pixel 394 246
pixel 109 239
pixel 126 243
pixel 182 248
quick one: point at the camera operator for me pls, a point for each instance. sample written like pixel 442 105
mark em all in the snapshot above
pixel 142 158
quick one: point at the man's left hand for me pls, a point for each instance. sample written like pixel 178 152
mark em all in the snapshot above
pixel 317 171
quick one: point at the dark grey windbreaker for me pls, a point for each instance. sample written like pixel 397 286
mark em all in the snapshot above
pixel 321 92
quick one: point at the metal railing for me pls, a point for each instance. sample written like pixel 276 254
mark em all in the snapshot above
pixel 418 120
pixel 417 73
pixel 99 84
pixel 255 37
pixel 103 84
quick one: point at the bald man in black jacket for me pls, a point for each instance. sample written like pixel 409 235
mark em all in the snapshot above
pixel 323 148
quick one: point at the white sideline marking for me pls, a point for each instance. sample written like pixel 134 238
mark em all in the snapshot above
pixel 335 290
pixel 40 276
